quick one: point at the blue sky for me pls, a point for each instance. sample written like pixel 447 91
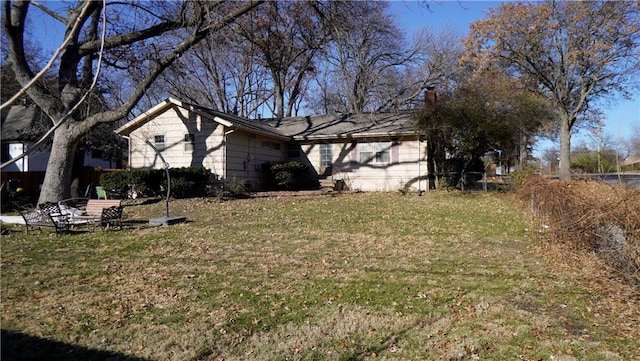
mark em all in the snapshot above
pixel 621 114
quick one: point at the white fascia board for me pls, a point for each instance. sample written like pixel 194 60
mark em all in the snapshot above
pixel 222 121
pixel 352 136
pixel 147 115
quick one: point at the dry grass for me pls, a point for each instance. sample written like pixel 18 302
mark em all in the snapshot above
pixel 592 217
pixel 446 276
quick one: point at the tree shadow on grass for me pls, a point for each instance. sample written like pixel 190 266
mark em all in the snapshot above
pixel 17 346
pixel 389 344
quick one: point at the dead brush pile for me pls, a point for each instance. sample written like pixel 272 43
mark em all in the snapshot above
pixel 590 216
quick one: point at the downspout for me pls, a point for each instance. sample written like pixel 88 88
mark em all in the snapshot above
pixel 226 174
pixel 419 164
pixel 128 138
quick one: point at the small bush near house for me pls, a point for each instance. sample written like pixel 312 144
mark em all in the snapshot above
pixel 231 188
pixel 146 182
pixel 185 182
pixel 189 181
pixel 288 176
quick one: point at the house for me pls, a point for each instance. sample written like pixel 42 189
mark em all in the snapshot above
pixel 632 163
pixel 22 126
pixel 188 135
pixel 369 152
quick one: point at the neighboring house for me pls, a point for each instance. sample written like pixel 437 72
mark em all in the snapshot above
pixel 22 126
pixel 370 152
pixel 632 163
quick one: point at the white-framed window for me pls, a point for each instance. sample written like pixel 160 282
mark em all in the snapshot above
pixel 158 141
pixel 375 152
pixel 325 155
pixel 189 141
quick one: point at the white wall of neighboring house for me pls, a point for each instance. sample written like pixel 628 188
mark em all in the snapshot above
pixel 406 163
pixel 37 161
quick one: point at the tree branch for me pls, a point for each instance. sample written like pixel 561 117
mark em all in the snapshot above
pixel 162 63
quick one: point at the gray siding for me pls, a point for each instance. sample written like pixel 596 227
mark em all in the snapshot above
pixel 246 154
pixel 208 147
pixel 406 168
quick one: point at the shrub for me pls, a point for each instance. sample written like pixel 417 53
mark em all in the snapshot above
pixel 147 182
pixel 185 182
pixel 189 181
pixel 289 175
pixel 593 217
pixel 520 177
pixel 116 183
pixel 232 188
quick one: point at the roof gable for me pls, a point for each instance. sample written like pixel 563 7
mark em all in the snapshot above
pixel 228 120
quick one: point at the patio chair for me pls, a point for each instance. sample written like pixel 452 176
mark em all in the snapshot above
pixel 101 193
pixel 111 217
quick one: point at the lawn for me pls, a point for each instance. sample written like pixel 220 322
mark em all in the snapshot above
pixel 445 276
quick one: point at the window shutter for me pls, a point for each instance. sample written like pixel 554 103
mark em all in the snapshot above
pixel 354 152
pixel 395 152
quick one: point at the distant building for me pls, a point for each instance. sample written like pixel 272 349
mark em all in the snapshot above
pixel 631 164
pixel 22 126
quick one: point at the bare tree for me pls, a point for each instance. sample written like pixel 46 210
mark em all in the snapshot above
pixel 285 39
pixel 366 46
pixel 633 141
pixel 370 66
pixel 221 72
pixel 141 38
pixel 576 52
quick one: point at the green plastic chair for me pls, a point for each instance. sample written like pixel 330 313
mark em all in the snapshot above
pixel 102 194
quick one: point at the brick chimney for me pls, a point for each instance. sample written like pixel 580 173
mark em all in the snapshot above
pixel 430 98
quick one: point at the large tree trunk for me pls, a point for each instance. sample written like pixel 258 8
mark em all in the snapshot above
pixel 565 147
pixel 432 166
pixel 57 179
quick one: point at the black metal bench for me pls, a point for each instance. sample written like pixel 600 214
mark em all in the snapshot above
pixel 111 217
pixel 38 219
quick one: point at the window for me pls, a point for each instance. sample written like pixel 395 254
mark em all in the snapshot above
pixel 158 141
pixel 271 145
pixel 189 140
pixel 375 152
pixel 325 155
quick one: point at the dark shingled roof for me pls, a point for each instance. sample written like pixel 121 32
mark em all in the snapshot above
pixel 22 123
pixel 338 126
pixel 317 127
pixel 254 125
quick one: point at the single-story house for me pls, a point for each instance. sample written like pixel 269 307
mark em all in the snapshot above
pixel 22 126
pixel 369 152
pixel 631 163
